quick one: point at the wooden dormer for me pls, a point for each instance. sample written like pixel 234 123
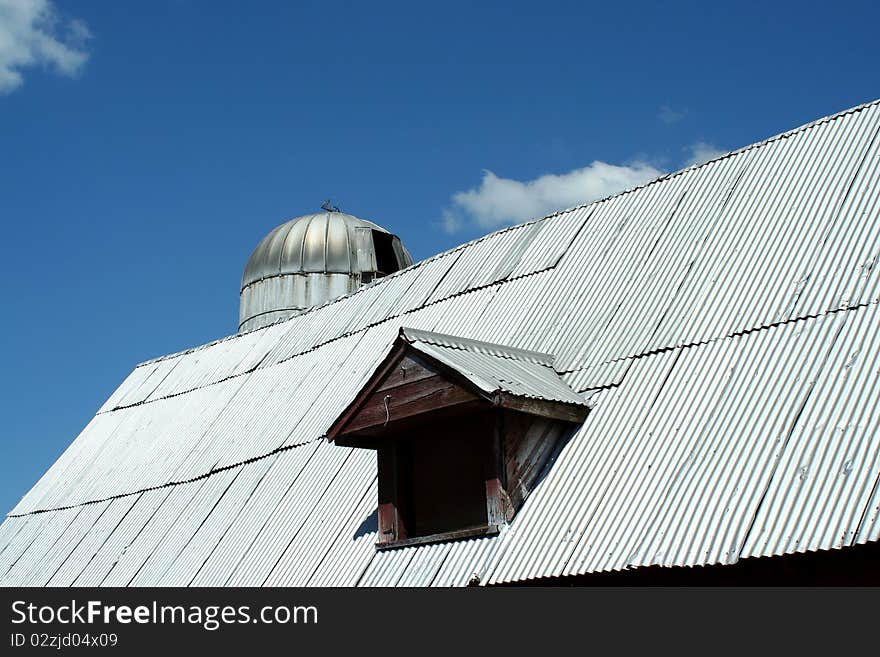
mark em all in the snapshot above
pixel 462 431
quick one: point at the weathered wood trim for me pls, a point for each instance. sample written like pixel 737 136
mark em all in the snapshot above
pixel 424 393
pixel 409 369
pixel 406 428
pixel 494 473
pixel 378 376
pixel 549 409
pixel 391 524
pixel 358 441
pixel 427 395
pixel 488 530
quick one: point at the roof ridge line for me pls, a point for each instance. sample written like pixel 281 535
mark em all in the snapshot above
pixel 363 288
pixel 782 135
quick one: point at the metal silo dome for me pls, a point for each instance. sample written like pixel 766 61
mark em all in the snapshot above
pixel 313 259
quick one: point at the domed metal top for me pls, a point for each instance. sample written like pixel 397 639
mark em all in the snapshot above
pixel 326 242
pixel 311 260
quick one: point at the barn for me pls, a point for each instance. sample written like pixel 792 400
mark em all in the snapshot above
pixel 678 384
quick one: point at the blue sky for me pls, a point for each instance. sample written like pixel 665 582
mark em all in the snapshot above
pixel 145 148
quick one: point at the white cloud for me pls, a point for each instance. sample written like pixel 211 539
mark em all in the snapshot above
pixel 32 33
pixel 669 115
pixel 702 152
pixel 451 222
pixel 498 201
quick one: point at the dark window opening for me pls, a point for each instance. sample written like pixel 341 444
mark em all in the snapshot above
pixel 437 482
pixel 443 482
pixel 386 259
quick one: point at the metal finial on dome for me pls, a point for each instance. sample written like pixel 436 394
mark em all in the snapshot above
pixel 329 208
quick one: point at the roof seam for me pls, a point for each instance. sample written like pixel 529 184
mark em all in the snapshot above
pixel 75 546
pixel 305 520
pixel 284 448
pixel 644 418
pixel 342 530
pixel 137 535
pixel 104 542
pixel 290 484
pixel 228 527
pixel 781 450
pixel 578 391
pixel 147 400
pixel 341 336
pixel 733 334
pixel 169 484
pixel 34 540
pixel 865 511
pixel 220 497
pixel 499 283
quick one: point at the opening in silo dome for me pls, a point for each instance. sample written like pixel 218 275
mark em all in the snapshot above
pixel 386 259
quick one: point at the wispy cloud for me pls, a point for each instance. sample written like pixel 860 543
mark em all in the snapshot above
pixel 668 115
pixel 32 33
pixel 497 201
pixel 701 152
pixel 451 222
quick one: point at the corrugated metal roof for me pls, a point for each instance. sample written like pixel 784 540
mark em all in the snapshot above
pixel 724 319
pixel 492 367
